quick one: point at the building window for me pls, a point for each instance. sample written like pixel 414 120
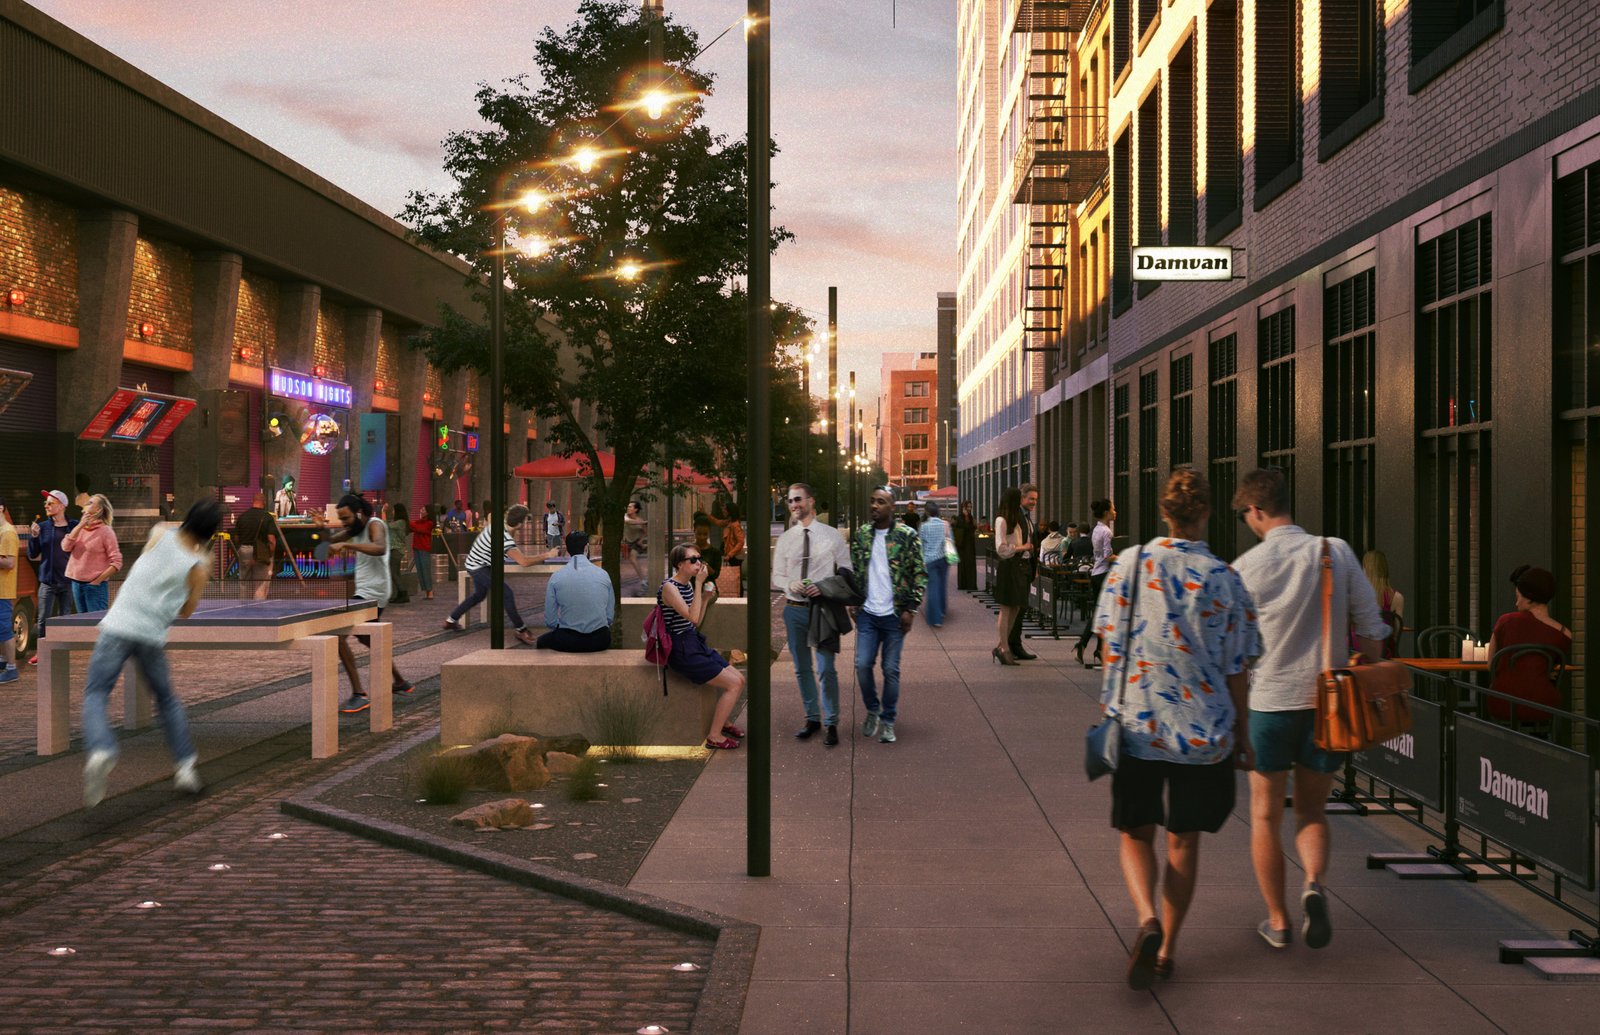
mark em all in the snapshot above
pixel 919 388
pixel 1149 11
pixel 1445 31
pixel 1275 392
pixel 1181 412
pixel 1454 427
pixel 917 416
pixel 1277 127
pixel 915 442
pixel 1352 71
pixel 1150 178
pixel 1121 36
pixel 1224 157
pixel 1149 484
pixel 916 467
pixel 1180 147
pixel 1120 453
pixel 1122 226
pixel 1222 441
pixel 1349 310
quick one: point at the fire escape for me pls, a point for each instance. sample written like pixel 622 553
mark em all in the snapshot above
pixel 1060 159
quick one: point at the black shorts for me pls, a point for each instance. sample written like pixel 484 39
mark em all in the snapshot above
pixel 365 641
pixel 1199 797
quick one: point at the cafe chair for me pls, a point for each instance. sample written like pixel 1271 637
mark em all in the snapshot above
pixel 1442 641
pixel 1391 642
pixel 1522 670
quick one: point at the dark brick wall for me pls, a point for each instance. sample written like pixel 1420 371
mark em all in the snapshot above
pixel 162 294
pixel 255 335
pixel 328 351
pixel 39 254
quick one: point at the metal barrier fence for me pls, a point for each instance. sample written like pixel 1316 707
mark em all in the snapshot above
pixel 1506 799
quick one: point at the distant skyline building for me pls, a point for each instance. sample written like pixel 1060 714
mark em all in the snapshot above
pixel 907 414
pixel 945 348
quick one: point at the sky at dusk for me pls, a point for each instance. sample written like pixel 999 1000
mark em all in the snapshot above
pixel 363 91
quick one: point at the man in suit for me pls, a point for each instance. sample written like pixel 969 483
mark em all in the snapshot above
pixel 1030 534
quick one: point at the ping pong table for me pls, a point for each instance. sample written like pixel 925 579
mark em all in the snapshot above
pixel 310 625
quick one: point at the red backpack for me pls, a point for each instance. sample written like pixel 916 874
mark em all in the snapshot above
pixel 657 643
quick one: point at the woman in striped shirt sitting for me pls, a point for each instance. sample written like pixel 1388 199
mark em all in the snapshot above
pixel 684 597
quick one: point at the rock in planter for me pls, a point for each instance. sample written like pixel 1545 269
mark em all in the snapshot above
pixel 574 744
pixel 507 813
pixel 507 763
pixel 560 763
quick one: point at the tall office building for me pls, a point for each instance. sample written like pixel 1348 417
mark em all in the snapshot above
pixel 945 412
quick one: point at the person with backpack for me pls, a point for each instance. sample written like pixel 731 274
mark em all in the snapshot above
pixel 555 526
pixel 682 601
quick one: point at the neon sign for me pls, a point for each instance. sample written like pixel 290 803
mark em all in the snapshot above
pixel 291 384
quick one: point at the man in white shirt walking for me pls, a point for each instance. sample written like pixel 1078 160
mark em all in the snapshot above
pixel 808 552
pixel 1283 574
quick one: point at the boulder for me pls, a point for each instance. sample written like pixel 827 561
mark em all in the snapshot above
pixel 574 744
pixel 507 813
pixel 560 763
pixel 507 763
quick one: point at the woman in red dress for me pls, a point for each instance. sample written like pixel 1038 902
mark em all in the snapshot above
pixel 1528 677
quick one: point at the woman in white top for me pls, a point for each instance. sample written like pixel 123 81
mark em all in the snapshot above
pixel 635 531
pixel 1105 513
pixel 1012 579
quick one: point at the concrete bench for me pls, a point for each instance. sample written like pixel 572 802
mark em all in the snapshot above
pixel 725 624
pixel 489 692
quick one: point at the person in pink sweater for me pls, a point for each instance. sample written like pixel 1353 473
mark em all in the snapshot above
pixel 95 556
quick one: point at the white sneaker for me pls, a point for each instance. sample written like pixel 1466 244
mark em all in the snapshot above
pixel 869 725
pixel 886 733
pixel 96 773
pixel 187 779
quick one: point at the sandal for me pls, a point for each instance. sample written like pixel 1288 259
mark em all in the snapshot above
pixel 730 730
pixel 722 745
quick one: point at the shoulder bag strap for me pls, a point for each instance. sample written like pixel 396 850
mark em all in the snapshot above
pixel 1327 608
pixel 1127 649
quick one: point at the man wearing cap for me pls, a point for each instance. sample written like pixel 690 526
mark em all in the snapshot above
pixel 579 603
pixel 44 548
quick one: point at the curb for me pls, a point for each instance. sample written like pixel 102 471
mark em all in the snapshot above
pixel 721 1005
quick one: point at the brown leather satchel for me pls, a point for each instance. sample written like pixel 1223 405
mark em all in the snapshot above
pixel 1358 706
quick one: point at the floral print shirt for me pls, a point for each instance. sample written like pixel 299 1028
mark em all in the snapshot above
pixel 1192 626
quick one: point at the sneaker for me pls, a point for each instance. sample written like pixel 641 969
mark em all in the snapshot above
pixel 96 773
pixel 886 733
pixel 452 625
pixel 1276 937
pixel 34 660
pixel 187 779
pixel 10 675
pixel 357 703
pixel 870 725
pixel 1316 930
pixel 403 688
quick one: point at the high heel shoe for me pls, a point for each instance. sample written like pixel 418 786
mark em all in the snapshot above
pixel 1002 658
pixel 1077 652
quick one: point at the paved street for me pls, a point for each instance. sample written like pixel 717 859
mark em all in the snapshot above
pixel 965 879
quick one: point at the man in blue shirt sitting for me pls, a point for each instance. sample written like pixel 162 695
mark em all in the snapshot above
pixel 579 603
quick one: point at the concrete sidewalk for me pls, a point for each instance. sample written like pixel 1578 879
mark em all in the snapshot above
pixel 966 879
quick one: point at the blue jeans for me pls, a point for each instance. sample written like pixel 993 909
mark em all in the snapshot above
pixel 424 562
pixel 52 599
pixel 938 577
pixel 871 631
pixel 87 597
pixel 480 589
pixel 797 621
pixel 110 654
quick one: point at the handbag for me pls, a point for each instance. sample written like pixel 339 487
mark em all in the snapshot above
pixel 1358 706
pixel 1103 742
pixel 951 556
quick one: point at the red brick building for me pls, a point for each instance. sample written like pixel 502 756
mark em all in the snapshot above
pixel 908 421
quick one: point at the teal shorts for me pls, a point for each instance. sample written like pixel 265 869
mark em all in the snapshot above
pixel 1283 740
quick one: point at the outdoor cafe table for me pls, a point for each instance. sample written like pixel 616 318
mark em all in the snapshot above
pixel 1443 666
pixel 310 625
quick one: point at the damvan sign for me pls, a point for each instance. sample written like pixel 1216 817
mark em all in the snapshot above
pixel 1528 794
pixel 1182 263
pixel 1412 762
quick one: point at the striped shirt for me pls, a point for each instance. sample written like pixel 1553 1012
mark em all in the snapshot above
pixel 483 546
pixel 677 625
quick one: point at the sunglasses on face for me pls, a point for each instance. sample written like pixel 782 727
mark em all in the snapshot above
pixel 1244 512
pixel 691 560
pixel 798 499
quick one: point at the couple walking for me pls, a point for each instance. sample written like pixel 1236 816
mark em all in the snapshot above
pixel 1181 630
pixel 806 568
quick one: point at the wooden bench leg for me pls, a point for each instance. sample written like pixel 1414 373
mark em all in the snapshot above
pixel 55 717
pixel 138 703
pixel 324 694
pixel 380 672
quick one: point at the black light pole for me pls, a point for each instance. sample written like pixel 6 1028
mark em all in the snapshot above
pixel 835 505
pixel 805 430
pixel 758 606
pixel 497 416
pixel 850 437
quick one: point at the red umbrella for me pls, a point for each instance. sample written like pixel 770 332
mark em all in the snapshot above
pixel 565 468
pixel 949 492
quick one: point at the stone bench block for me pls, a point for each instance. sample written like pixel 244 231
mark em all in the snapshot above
pixel 724 625
pixel 489 692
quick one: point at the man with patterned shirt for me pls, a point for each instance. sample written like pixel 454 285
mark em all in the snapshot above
pixel 888 557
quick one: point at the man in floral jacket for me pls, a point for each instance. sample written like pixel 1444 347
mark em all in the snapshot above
pixel 887 558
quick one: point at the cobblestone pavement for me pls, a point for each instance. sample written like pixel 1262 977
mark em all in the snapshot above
pixel 318 931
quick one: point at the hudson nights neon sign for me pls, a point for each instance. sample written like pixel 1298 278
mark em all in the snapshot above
pixel 291 384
